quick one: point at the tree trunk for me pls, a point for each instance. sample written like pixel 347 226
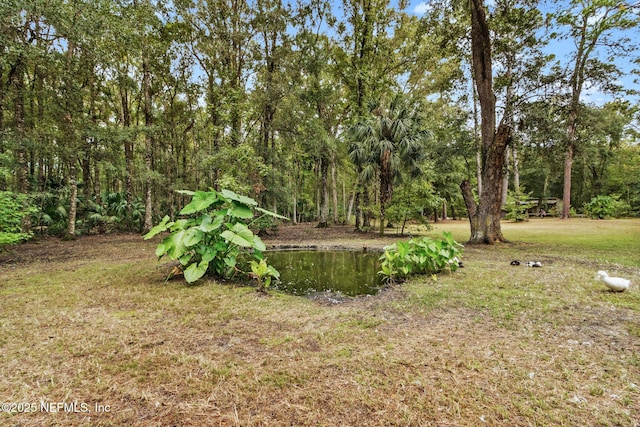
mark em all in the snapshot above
pixel 16 80
pixel 334 189
pixel 96 183
pixel 484 216
pixel 566 189
pixel 366 210
pixel 470 203
pixel 505 181
pixel 294 218
pixel 569 152
pixel 73 203
pixel 516 169
pixel 86 168
pixel 489 211
pixel 358 209
pixel 358 200
pixel 323 220
pixel 128 151
pixel 386 187
pixel 148 153
pixel 350 207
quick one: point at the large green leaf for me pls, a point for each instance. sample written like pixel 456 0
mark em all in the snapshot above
pixel 240 210
pixel 163 226
pixel 174 244
pixel 221 246
pixel 192 236
pixel 208 224
pixel 160 250
pixel 186 258
pixel 273 214
pixel 207 253
pixel 200 201
pixel 180 224
pixel 228 194
pixel 239 235
pixel 258 244
pixel 195 271
pixel 230 260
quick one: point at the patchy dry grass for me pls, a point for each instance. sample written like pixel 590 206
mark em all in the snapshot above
pixel 93 322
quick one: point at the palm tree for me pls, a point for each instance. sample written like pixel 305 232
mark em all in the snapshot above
pixel 387 143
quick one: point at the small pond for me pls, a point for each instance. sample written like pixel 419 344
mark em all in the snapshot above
pixel 305 272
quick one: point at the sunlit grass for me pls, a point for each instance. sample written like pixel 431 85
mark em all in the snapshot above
pixel 605 241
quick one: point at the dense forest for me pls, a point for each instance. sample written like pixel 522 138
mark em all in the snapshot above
pixel 350 111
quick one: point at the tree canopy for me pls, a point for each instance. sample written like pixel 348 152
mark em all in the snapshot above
pixel 315 109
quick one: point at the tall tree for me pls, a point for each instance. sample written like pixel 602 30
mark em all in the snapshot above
pixel 520 61
pixel 372 62
pixel 320 97
pixel 80 24
pixel 593 25
pixel 485 215
pixel 386 144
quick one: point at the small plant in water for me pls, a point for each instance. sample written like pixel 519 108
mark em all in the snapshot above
pixel 213 236
pixel 420 256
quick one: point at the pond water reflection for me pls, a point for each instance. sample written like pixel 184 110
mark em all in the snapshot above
pixel 304 272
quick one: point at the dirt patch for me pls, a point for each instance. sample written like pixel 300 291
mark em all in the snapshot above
pixel 54 249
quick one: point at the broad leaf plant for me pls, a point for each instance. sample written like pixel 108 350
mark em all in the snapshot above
pixel 420 256
pixel 213 236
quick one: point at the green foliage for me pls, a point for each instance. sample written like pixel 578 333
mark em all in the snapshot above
pixel 263 273
pixel 100 219
pixel 213 236
pixel 606 207
pixel 517 205
pixel 13 209
pixel 409 203
pixel 117 211
pixel 387 145
pixel 264 224
pixel 420 256
pixel 112 214
pixel 51 213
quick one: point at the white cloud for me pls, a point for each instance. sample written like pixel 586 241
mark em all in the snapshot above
pixel 422 8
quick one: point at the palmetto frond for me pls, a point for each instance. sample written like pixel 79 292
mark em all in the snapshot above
pixel 390 141
pixel 386 144
pixel 368 173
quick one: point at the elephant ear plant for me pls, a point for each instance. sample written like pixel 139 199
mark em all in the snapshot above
pixel 213 236
pixel 420 256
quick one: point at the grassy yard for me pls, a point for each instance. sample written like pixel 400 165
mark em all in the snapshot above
pixel 92 323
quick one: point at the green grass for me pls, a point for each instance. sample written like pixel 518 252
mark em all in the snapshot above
pixel 489 344
pixel 603 241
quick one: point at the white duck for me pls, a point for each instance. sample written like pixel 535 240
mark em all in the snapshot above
pixel 617 284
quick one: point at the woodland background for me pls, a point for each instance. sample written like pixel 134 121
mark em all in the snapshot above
pixel 109 106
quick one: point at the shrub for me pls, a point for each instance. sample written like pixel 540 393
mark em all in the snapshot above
pixel 213 237
pixel 14 208
pixel 606 207
pixel 420 256
pixel 409 203
pixel 265 224
pixel 517 206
